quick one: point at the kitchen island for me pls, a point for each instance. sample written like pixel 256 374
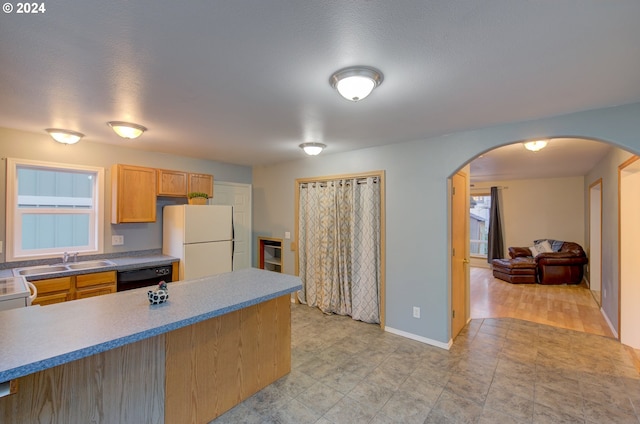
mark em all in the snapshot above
pixel 116 358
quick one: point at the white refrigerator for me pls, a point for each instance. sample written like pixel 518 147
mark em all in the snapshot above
pixel 201 236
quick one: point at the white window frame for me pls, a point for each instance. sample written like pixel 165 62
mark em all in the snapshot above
pixel 479 255
pixel 14 215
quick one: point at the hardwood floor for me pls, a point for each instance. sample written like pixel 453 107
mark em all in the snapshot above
pixel 566 306
pixel 571 307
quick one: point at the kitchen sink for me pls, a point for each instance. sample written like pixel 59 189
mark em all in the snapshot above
pixel 90 264
pixel 58 268
pixel 38 270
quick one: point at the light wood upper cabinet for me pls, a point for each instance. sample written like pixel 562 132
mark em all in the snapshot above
pixel 133 194
pixel 172 183
pixel 202 183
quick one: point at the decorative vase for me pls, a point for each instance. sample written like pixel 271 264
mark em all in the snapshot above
pixel 159 295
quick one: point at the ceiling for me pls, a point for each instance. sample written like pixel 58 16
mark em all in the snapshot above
pixel 246 82
pixel 562 157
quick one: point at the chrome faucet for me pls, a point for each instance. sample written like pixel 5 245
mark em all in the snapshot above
pixel 65 257
pixel 75 257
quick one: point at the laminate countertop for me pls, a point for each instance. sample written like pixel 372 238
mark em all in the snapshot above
pixel 40 337
pixel 121 263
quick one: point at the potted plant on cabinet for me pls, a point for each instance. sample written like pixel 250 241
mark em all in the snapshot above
pixel 197 198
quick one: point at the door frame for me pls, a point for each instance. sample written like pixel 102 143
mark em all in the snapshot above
pixel 622 285
pixel 459 294
pixel 596 186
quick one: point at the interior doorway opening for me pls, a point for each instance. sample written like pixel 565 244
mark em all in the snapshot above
pixel 535 213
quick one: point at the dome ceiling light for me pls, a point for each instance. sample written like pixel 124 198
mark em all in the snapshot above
pixel 312 149
pixel 64 136
pixel 535 146
pixel 127 130
pixel 356 82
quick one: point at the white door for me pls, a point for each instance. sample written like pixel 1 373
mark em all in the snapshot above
pixel 629 230
pixel 239 196
pixel 203 259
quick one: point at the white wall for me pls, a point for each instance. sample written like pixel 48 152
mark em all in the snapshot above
pixel 39 146
pixel 416 198
pixel 540 208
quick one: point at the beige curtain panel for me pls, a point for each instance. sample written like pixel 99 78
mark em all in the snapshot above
pixel 339 247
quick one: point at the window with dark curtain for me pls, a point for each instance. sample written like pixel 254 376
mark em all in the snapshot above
pixel 495 242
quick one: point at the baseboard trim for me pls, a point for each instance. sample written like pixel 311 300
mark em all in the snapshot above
pixel 420 339
pixel 606 318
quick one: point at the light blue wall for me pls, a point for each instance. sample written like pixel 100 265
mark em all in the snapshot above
pixel 39 146
pixel 416 202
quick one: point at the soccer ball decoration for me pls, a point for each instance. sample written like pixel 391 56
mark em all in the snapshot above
pixel 159 295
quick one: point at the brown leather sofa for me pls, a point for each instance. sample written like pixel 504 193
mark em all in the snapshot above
pixel 563 267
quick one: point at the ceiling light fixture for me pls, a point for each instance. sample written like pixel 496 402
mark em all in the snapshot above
pixel 534 146
pixel 357 82
pixel 127 129
pixel 312 149
pixel 64 136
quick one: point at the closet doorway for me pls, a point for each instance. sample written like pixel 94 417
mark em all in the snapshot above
pixel 340 244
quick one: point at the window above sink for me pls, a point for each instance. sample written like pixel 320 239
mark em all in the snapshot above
pixel 53 208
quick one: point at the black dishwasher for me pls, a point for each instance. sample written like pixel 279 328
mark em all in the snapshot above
pixel 144 277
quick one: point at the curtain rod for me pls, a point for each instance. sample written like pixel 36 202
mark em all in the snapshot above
pixel 362 180
pixel 473 187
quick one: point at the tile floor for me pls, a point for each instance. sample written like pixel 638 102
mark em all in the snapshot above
pixel 498 371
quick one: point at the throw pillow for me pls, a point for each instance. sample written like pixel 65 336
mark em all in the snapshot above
pixel 534 251
pixel 544 246
pixel 556 245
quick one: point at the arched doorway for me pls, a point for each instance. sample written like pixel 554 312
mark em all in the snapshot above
pixel 580 229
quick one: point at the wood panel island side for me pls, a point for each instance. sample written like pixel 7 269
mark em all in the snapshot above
pixel 116 358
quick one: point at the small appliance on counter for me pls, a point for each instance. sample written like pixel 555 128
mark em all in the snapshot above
pixel 16 292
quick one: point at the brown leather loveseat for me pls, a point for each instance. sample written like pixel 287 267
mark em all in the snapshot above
pixel 565 266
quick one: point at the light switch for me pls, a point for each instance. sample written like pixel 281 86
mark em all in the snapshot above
pixel 287 235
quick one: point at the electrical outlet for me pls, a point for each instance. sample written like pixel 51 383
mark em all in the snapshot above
pixel 117 240
pixel 0 247
pixel 416 312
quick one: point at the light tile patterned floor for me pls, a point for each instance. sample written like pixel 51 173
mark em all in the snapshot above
pixel 498 371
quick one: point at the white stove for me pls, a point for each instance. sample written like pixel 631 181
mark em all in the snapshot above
pixel 16 292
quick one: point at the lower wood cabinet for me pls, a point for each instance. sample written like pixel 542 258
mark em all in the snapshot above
pixel 53 290
pixel 62 289
pixel 96 284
